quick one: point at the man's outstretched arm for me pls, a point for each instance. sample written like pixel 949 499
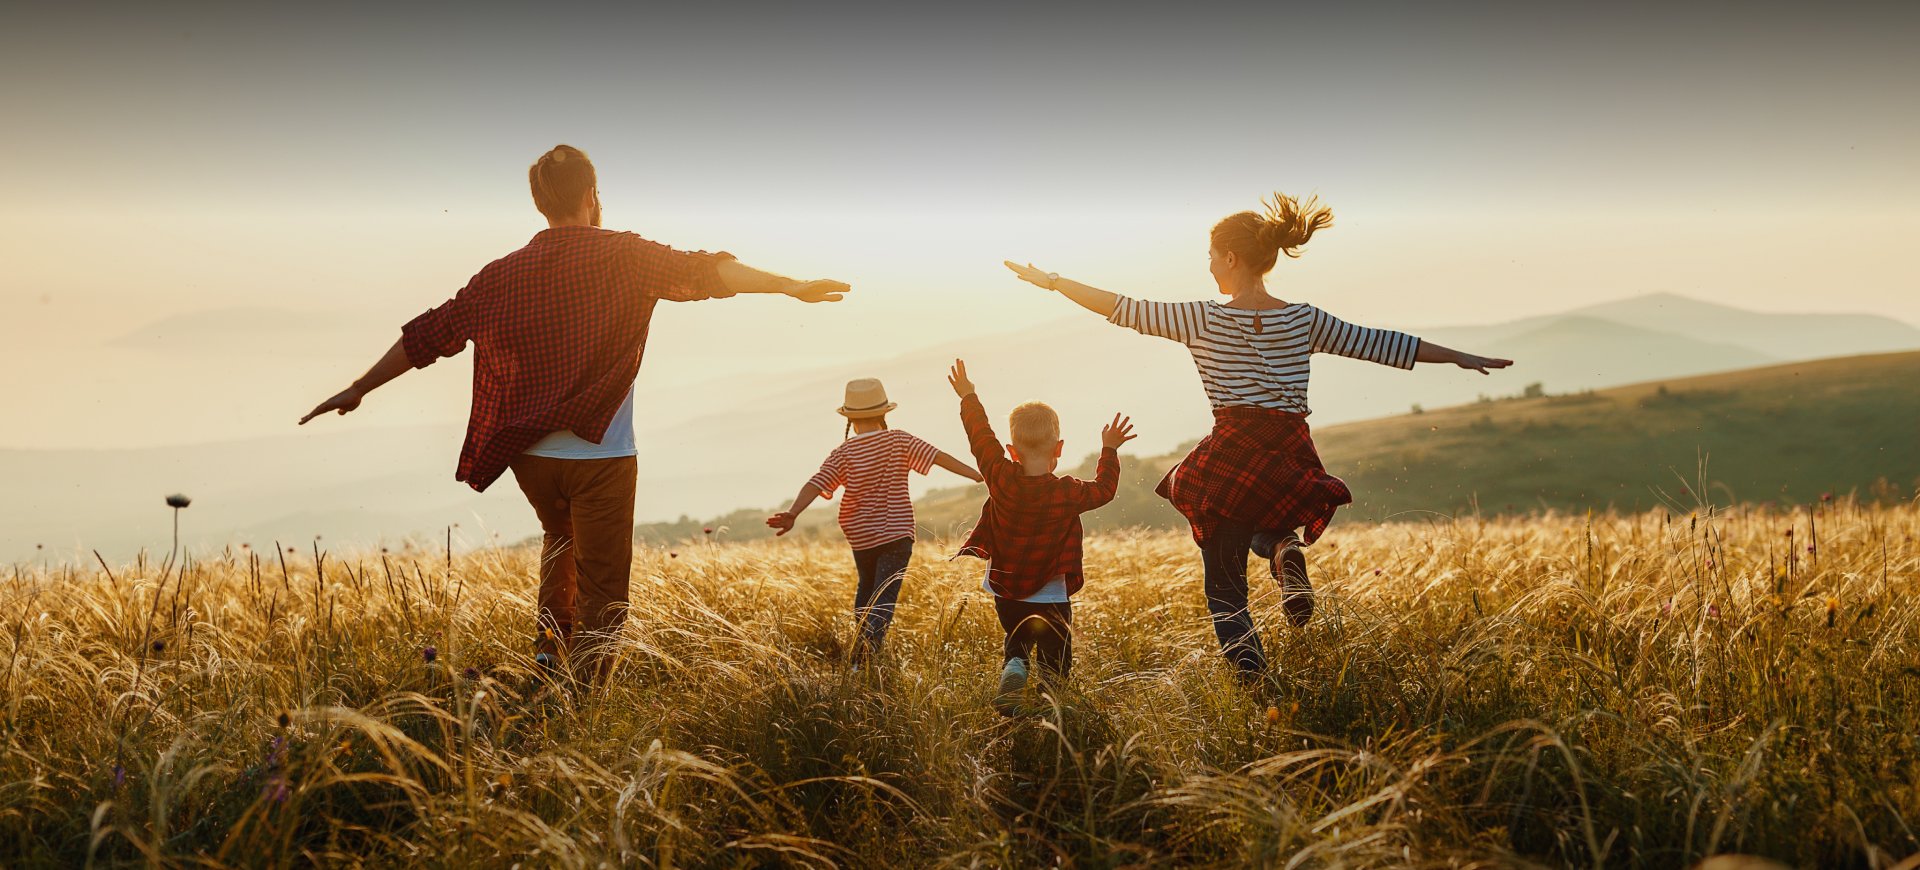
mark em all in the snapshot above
pixel 742 278
pixel 392 364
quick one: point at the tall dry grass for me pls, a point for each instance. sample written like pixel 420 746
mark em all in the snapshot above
pixel 1639 690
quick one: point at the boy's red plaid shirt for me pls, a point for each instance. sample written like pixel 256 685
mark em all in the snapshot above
pixel 558 329
pixel 1029 529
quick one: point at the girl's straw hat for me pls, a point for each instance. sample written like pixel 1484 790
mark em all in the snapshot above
pixel 866 397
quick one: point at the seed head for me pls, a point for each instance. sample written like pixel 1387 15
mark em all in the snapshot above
pixel 285 719
pixel 1273 715
pixel 159 646
pixel 429 654
pixel 178 501
pixel 470 673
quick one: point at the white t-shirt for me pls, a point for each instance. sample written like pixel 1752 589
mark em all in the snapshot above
pixel 616 443
pixel 1055 592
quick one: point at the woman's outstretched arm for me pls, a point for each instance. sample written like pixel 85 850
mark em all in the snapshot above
pixel 1093 299
pixel 1433 353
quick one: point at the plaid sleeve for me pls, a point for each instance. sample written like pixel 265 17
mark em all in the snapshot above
pixel 1181 321
pixel 919 454
pixel 677 276
pixel 981 441
pixel 1330 334
pixel 1106 481
pixel 832 474
pixel 440 331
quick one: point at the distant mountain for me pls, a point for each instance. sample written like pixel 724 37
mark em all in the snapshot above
pixel 1784 336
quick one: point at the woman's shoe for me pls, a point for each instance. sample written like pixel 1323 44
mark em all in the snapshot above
pixel 1290 571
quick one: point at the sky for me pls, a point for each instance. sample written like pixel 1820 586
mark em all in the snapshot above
pixel 217 215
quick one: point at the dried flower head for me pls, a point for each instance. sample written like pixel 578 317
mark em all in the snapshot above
pixel 178 501
pixel 429 654
pixel 285 718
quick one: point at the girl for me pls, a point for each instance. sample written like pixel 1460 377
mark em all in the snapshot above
pixel 877 514
pixel 1255 482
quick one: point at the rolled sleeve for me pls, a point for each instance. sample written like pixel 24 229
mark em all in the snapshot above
pixel 677 276
pixel 438 332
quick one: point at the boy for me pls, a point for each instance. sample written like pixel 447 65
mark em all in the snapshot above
pixel 1029 529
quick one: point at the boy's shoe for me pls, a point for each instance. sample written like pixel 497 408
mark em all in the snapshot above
pixel 1013 682
pixel 1290 571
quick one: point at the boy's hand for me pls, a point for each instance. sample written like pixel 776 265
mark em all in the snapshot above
pixel 781 522
pixel 823 290
pixel 957 377
pixel 1118 432
pixel 343 401
pixel 1482 363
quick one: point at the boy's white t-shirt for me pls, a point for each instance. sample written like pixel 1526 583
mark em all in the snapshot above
pixel 1055 592
pixel 616 443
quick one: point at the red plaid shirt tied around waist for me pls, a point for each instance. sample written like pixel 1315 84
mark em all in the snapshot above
pixel 1257 466
pixel 1029 529
pixel 558 329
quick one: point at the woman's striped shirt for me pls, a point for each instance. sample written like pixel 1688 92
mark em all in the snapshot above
pixel 873 467
pixel 1260 358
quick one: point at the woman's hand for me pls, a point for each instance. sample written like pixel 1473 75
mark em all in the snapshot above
pixel 781 523
pixel 1032 274
pixel 1481 363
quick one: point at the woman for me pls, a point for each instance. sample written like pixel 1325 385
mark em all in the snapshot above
pixel 1255 482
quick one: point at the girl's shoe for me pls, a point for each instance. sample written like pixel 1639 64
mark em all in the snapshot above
pixel 1290 571
pixel 1013 682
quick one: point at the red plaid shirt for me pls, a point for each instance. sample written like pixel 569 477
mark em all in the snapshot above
pixel 1258 466
pixel 1029 529
pixel 558 328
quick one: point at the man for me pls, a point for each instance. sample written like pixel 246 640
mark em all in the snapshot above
pixel 558 329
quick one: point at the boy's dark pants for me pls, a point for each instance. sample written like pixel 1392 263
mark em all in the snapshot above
pixel 585 508
pixel 1040 633
pixel 881 569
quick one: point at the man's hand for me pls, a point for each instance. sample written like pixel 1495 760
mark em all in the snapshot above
pixel 1118 432
pixel 781 523
pixel 1481 363
pixel 1031 274
pixel 957 378
pixel 342 402
pixel 822 290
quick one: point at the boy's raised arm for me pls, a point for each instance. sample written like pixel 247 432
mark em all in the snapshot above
pixel 1106 478
pixel 984 445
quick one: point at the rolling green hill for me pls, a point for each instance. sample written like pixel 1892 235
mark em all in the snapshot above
pixel 1790 432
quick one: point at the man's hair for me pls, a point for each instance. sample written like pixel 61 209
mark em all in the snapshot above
pixel 1034 427
pixel 560 179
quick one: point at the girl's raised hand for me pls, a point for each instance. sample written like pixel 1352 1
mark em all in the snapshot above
pixel 1030 274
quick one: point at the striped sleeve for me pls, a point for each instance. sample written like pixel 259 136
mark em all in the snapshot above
pixel 1183 322
pixel 919 454
pixel 832 474
pixel 1330 334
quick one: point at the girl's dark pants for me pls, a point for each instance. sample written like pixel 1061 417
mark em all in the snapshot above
pixel 881 570
pixel 1225 558
pixel 1040 633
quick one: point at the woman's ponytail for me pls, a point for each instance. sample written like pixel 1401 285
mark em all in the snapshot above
pixel 1260 239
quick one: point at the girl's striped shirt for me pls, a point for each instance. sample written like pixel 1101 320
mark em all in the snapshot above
pixel 1260 358
pixel 873 467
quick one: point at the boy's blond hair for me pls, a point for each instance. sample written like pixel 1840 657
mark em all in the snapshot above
pixel 1034 426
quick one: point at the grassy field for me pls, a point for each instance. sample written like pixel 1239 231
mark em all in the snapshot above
pixel 1635 690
